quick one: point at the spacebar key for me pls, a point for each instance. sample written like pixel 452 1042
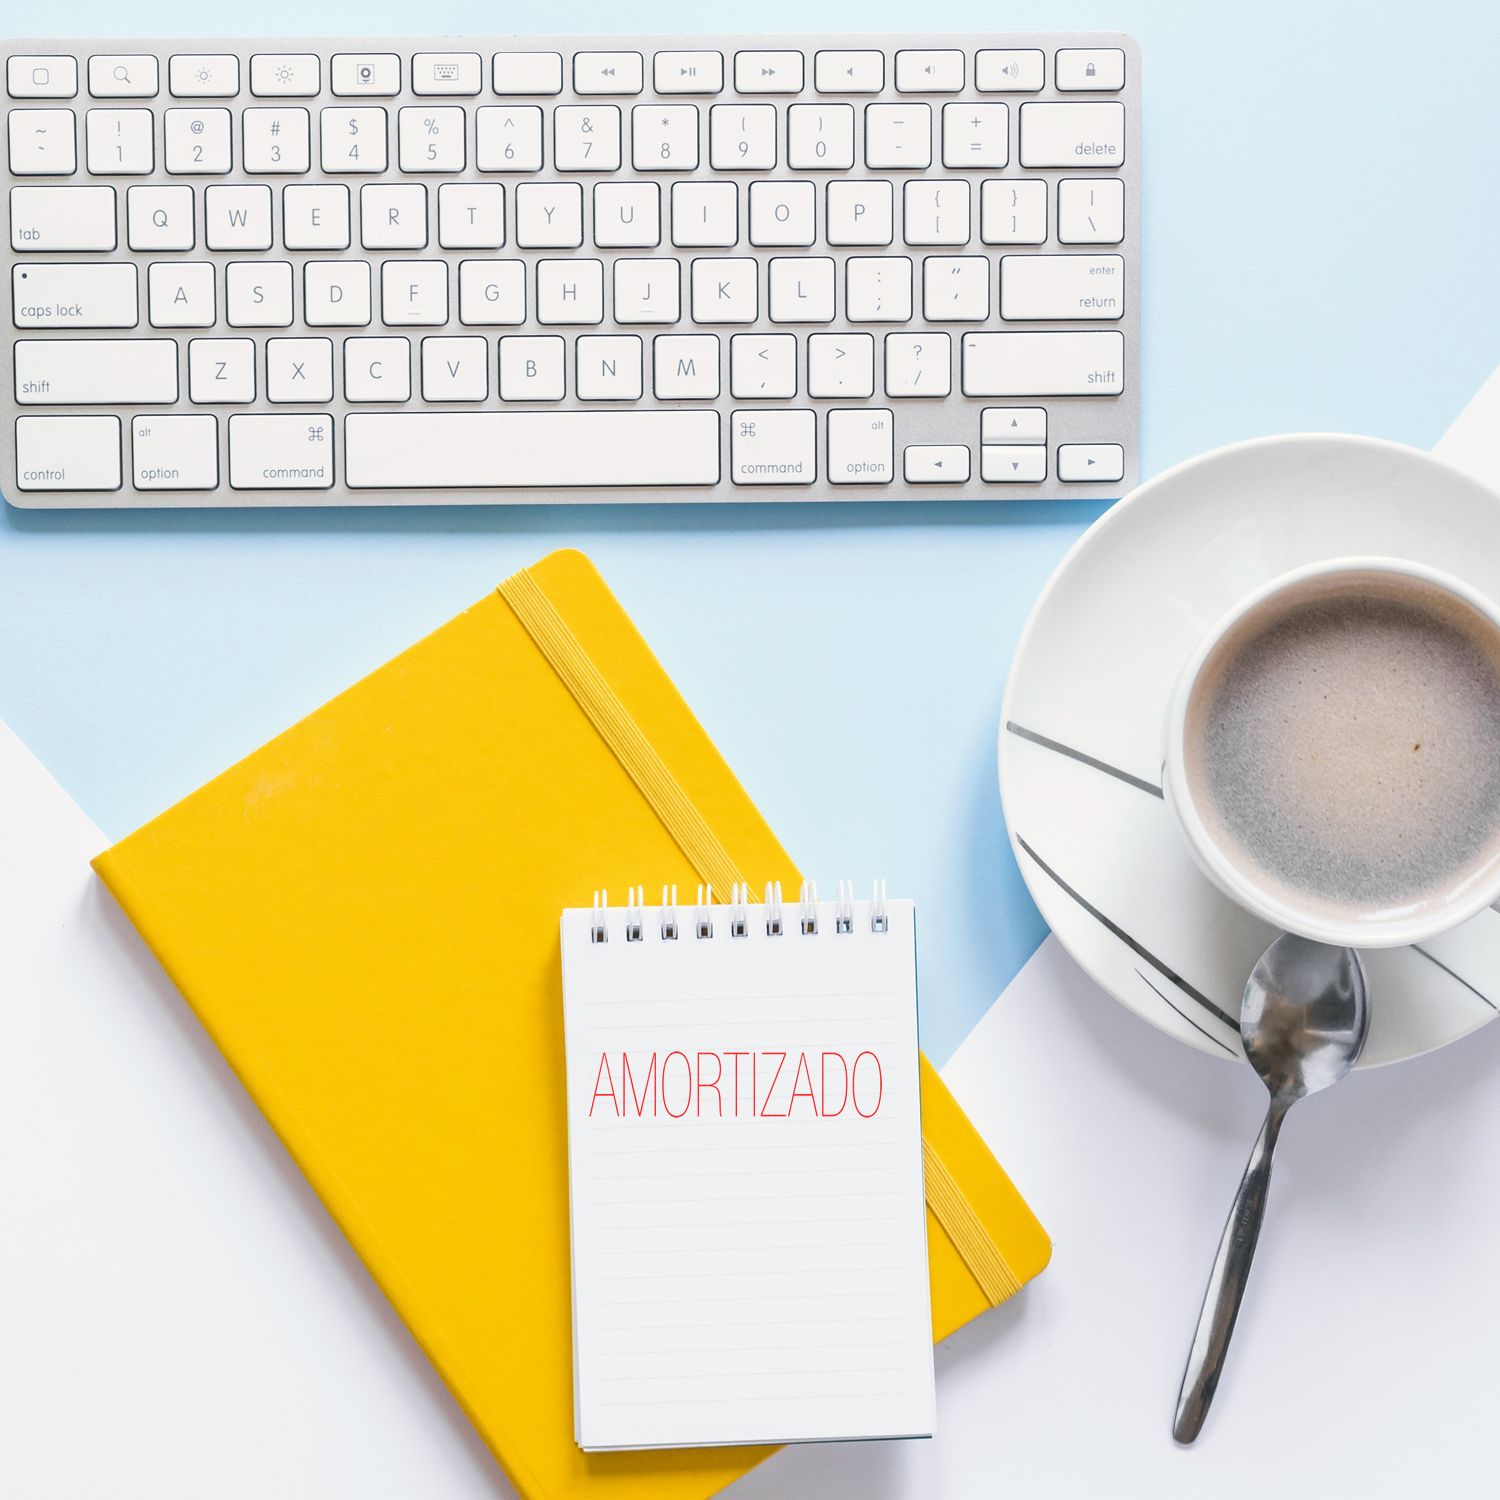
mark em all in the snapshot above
pixel 531 450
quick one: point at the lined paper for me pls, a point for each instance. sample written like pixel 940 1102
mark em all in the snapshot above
pixel 745 1158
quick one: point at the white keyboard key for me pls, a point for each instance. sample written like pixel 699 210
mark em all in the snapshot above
pixel 861 446
pixel 315 216
pixel 175 452
pixel 377 369
pixel 1072 135
pixel 685 366
pixel 180 294
pixel 62 218
pixel 277 141
pixel 976 135
pixel 1009 70
pixel 530 450
pixel 455 369
pixel 285 75
pixel 926 72
pixel 336 294
pixel 414 293
pixel 221 372
pixel 627 214
pixel 1089 70
pixel 528 73
pixel 936 463
pixel 42 142
pixel 159 218
pixel 609 367
pixel 664 137
pixel 45 77
pixel 773 447
pixel 1044 364
pixel 570 291
pixel 549 215
pixel 197 141
pixel 471 216
pixel 998 465
pixel 393 216
pixel 802 288
pixel 688 72
pixel 1013 424
pixel 237 218
pixel 74 296
pixel 918 364
pixel 1091 463
pixel 96 372
pixel 258 294
pixel 742 137
pixel 607 72
pixel 508 138
pixel 768 72
pixel 431 138
pixel 120 142
pixel 1013 213
pixel 841 365
pixel 373 75
pixel 586 137
pixel 204 75
pixel 352 140
pixel 956 288
pixel 705 214
pixel 532 368
pixel 861 72
pixel 898 135
pixel 859 213
pixel 124 76
pixel 877 289
pixel 1037 288
pixel 935 212
pixel 491 292
pixel 782 213
pixel 647 291
pixel 763 366
pixel 281 452
pixel 68 453
pixel 820 137
pixel 438 73
pixel 1090 211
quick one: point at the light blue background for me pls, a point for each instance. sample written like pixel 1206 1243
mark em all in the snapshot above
pixel 1321 227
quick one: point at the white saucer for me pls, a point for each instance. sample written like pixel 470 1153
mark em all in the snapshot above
pixel 1082 722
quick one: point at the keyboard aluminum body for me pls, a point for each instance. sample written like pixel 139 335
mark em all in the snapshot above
pixel 1018 416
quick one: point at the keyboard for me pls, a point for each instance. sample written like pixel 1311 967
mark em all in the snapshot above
pixel 531 269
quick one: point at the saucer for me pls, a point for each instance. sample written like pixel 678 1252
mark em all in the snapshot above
pixel 1082 724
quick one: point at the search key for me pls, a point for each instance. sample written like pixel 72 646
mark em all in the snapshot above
pixel 124 77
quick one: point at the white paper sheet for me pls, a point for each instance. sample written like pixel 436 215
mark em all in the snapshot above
pixel 745 1152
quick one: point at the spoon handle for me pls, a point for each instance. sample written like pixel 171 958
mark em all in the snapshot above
pixel 1226 1283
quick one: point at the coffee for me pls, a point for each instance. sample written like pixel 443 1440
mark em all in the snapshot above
pixel 1343 746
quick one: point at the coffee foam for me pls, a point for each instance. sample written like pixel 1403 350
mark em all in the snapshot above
pixel 1343 746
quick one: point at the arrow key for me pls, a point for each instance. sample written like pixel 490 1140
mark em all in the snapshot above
pixel 1091 463
pixel 1013 424
pixel 934 464
pixel 1009 465
pixel 849 72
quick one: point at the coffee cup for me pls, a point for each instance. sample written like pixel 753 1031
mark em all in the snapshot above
pixel 1333 752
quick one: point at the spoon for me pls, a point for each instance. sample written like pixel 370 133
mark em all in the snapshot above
pixel 1303 1022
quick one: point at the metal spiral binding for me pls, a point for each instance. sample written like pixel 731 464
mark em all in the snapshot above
pixel 739 912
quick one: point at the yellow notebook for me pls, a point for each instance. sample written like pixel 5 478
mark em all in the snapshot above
pixel 364 915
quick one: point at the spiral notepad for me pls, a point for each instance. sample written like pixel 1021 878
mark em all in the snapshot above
pixel 745 1159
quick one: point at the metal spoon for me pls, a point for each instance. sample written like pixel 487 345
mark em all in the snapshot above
pixel 1303 1022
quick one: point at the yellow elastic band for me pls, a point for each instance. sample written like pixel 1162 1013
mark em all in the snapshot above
pixel 965 1228
pixel 664 794
pixel 620 732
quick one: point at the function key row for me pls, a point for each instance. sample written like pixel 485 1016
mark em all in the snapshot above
pixel 294 75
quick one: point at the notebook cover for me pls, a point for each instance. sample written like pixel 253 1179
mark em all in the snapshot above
pixel 363 914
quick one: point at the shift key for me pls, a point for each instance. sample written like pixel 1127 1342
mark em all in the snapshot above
pixel 1044 364
pixel 281 452
pixel 96 372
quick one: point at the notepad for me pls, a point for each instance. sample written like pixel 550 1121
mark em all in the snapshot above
pixel 745 1156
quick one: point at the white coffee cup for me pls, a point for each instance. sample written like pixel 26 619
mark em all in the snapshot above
pixel 1226 865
